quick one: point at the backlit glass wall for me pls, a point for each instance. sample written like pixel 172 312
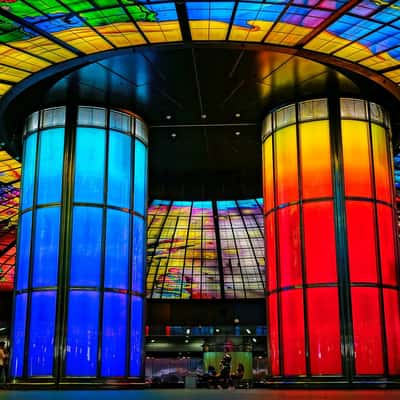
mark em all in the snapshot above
pixel 80 258
pixel 330 240
pixel 205 249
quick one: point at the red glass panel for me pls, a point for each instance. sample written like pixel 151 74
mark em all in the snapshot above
pixel 324 331
pixel 392 321
pixel 286 165
pixel 292 315
pixel 268 175
pixel 319 242
pixel 273 333
pixel 356 158
pixel 289 246
pixel 315 159
pixel 367 331
pixel 387 245
pixel 361 241
pixel 271 250
pixel 381 163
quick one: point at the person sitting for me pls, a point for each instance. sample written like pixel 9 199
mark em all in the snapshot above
pixel 238 376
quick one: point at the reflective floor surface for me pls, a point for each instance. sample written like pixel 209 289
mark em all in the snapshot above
pixel 202 394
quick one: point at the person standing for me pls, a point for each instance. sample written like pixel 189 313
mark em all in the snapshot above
pixel 3 362
pixel 225 366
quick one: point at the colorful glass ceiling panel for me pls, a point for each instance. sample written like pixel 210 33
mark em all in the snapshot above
pixel 37 34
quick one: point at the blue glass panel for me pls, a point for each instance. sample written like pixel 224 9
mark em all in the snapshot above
pixel 113 352
pixel 28 171
pixel 139 243
pixel 45 258
pixel 82 333
pixel 51 155
pixel 41 334
pixel 86 246
pixel 119 170
pixel 89 165
pixel 137 333
pixel 117 250
pixel 24 249
pixel 18 339
pixel 140 186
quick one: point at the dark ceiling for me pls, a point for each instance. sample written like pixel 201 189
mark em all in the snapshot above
pixel 205 95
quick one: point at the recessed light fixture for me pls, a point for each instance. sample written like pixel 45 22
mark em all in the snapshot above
pixel 248 331
pixel 237 133
pixel 152 341
pixel 168 116
pixel 186 341
pixel 173 135
pixel 254 340
pixel 237 115
pixel 204 116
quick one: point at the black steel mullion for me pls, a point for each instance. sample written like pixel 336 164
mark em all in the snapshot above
pixel 183 19
pixel 231 20
pixel 186 247
pixel 219 250
pixel 103 247
pixel 342 260
pixel 377 239
pixel 71 123
pixel 9 45
pixel 18 68
pixel 302 245
pixel 32 250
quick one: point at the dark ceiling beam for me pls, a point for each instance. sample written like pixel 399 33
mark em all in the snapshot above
pixel 15 67
pixel 41 32
pixel 7 82
pixel 329 21
pixel 197 81
pixel 389 69
pixel 231 20
pixel 204 125
pixel 183 19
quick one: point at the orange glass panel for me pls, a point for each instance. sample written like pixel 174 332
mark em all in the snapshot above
pixel 315 159
pixel 361 238
pixel 286 165
pixel 270 245
pixel 324 331
pixel 273 332
pixel 368 352
pixel 289 246
pixel 268 175
pixel 381 163
pixel 319 242
pixel 387 244
pixel 356 158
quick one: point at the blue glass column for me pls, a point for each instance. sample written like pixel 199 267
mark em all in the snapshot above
pixel 79 298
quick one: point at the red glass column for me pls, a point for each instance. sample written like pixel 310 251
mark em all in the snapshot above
pixel 332 269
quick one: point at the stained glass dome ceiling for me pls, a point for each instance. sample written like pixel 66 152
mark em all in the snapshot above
pixel 38 34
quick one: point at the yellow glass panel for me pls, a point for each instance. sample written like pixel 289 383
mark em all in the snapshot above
pixel 356 158
pixel 45 48
pixel 208 30
pixel 315 159
pixel 382 61
pixel 84 39
pixel 12 74
pixel 353 52
pixel 158 32
pixel 268 174
pixel 122 34
pixel 4 88
pixel 326 43
pixel 15 58
pixel 287 34
pixel 381 163
pixel 255 34
pixel 394 75
pixel 286 165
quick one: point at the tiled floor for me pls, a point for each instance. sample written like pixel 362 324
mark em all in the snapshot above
pixel 202 394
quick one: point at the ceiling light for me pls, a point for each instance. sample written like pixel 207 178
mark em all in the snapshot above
pixel 254 340
pixel 152 341
pixel 168 116
pixel 248 331
pixel 237 133
pixel 173 135
pixel 186 341
pixel 237 115
pixel 217 330
pixel 204 116
pixel 188 331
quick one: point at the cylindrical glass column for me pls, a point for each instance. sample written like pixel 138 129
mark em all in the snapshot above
pixel 80 261
pixel 330 240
